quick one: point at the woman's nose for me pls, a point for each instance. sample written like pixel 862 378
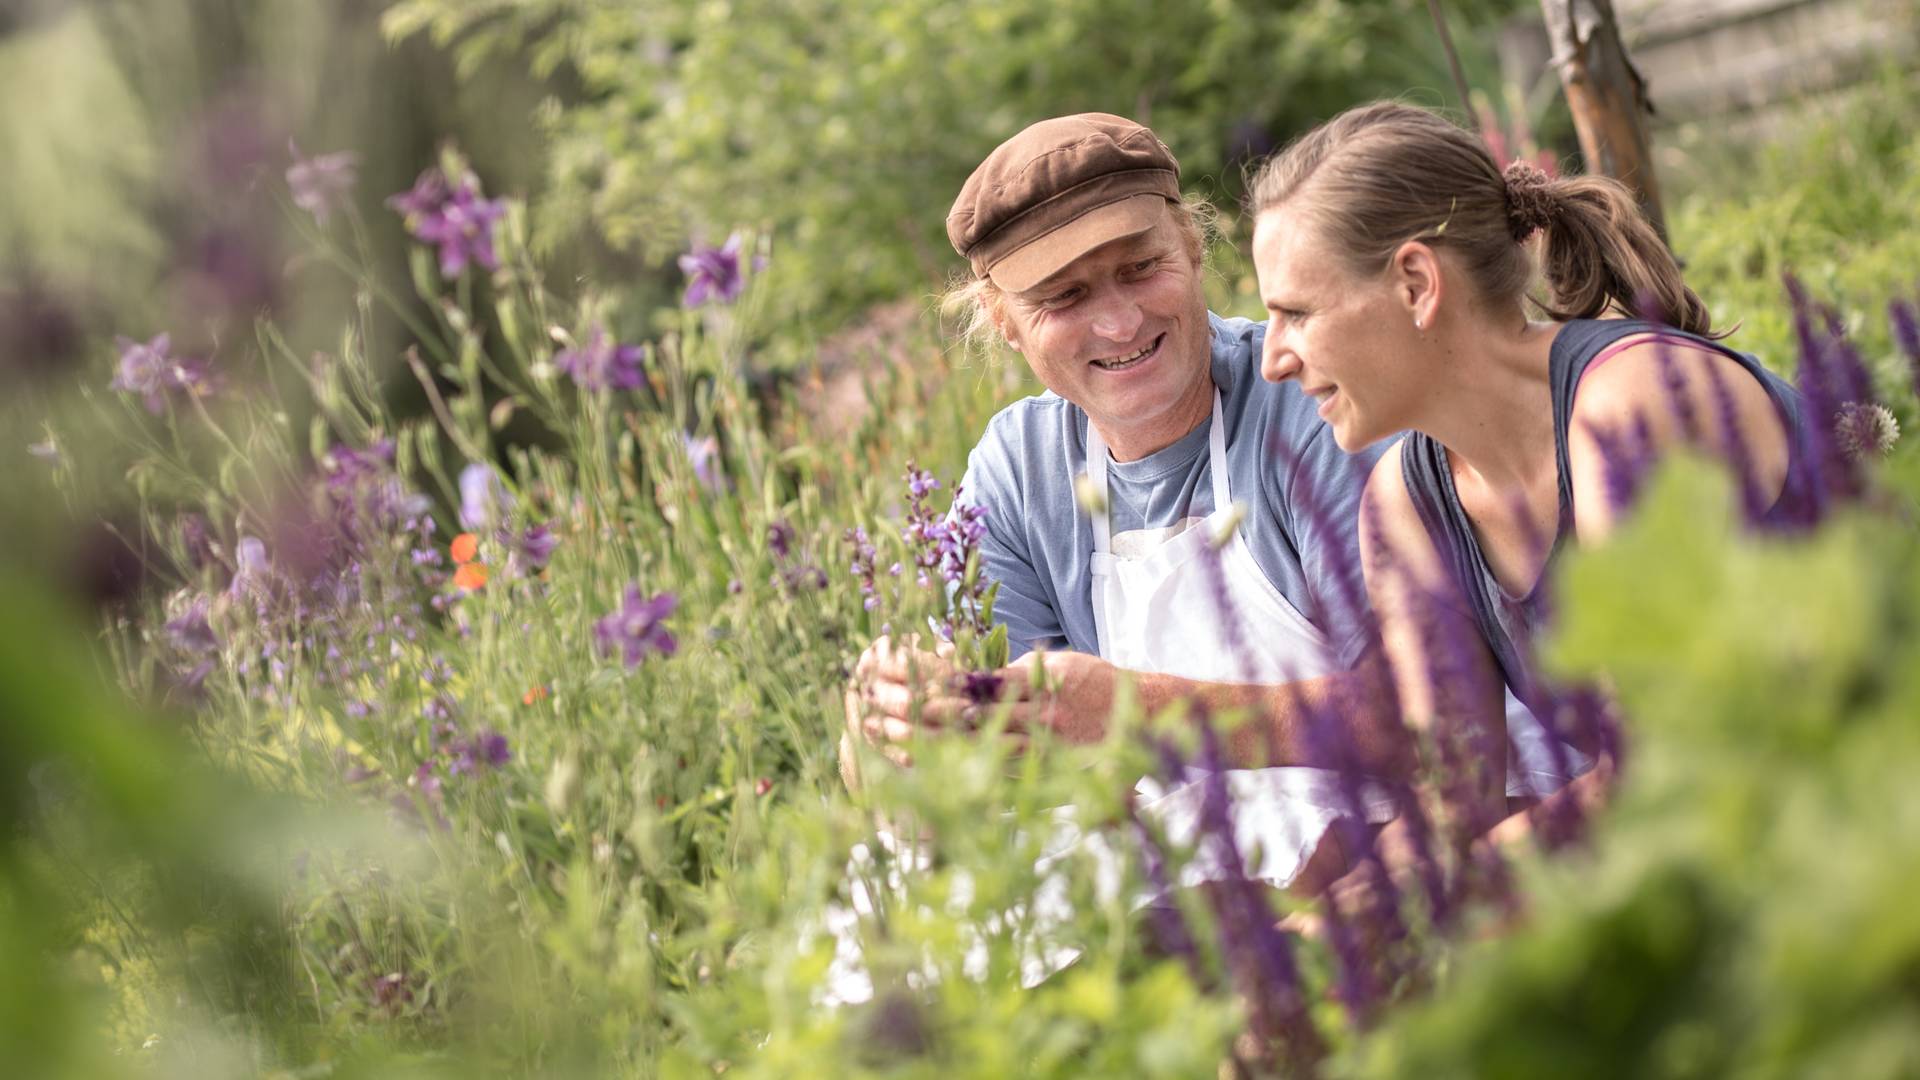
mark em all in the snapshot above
pixel 1278 363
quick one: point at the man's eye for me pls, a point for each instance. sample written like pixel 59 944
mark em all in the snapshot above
pixel 1144 265
pixel 1060 298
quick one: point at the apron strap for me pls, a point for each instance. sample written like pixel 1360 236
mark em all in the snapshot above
pixel 1097 474
pixel 1097 479
pixel 1217 457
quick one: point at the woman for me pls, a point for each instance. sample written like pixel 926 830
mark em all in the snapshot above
pixel 1394 258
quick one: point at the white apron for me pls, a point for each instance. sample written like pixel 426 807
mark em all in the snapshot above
pixel 1161 610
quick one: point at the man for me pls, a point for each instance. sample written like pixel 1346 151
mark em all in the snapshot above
pixel 1087 260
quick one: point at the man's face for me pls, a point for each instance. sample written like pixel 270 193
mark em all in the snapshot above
pixel 1122 332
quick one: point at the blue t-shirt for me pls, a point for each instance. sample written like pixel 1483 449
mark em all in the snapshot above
pixel 1301 490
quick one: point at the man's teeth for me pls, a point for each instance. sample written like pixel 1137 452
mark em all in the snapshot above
pixel 1126 361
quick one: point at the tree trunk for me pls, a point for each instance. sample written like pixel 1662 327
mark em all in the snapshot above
pixel 1607 97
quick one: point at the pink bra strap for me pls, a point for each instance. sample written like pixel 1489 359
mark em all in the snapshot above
pixel 1624 344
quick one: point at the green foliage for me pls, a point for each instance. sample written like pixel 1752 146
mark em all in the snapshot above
pixel 1832 195
pixel 844 129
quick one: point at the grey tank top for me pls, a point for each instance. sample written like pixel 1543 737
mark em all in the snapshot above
pixel 1508 622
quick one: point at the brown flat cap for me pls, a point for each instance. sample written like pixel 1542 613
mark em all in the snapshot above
pixel 1056 191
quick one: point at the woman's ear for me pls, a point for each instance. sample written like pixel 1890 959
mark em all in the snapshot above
pixel 1418 282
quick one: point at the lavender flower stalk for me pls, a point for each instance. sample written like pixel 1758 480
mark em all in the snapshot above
pixel 1906 333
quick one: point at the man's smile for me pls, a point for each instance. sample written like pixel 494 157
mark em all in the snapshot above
pixel 1133 359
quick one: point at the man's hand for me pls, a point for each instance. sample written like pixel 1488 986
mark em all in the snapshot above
pixel 899 689
pixel 881 706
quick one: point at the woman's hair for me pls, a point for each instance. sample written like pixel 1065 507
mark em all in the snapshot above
pixel 971 303
pixel 1379 175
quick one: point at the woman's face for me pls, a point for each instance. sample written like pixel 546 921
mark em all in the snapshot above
pixel 1345 338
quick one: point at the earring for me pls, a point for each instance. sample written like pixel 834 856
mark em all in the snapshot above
pixel 1417 324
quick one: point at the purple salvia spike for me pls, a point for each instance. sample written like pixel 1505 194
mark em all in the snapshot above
pixel 1674 381
pixel 1592 715
pixel 1457 660
pixel 1327 742
pixel 1228 611
pixel 1827 467
pixel 1852 380
pixel 1356 988
pixel 1564 820
pixel 1247 923
pixel 1419 831
pixel 1733 442
pixel 1169 927
pixel 1433 879
pixel 1906 332
pixel 1618 469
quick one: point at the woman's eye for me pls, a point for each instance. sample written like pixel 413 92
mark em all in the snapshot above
pixel 1144 265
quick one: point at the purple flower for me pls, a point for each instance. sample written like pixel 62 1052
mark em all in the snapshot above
pixel 701 453
pixel 530 550
pixel 780 540
pixel 981 687
pixel 459 220
pixel 600 363
pixel 637 627
pixel 191 680
pixel 493 749
pixel 194 541
pixel 860 564
pixel 428 192
pixel 390 992
pixel 251 571
pixel 483 498
pixel 320 183
pixel 713 273
pixel 367 500
pixel 189 631
pixel 346 466
pixel 149 370
pixel 920 482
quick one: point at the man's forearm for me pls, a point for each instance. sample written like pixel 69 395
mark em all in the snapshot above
pixel 1354 711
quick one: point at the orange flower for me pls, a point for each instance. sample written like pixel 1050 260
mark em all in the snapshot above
pixel 537 693
pixel 464 548
pixel 471 576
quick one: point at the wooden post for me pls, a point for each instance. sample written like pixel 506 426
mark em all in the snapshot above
pixel 1607 97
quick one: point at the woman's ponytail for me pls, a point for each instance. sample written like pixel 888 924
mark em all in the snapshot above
pixel 1601 251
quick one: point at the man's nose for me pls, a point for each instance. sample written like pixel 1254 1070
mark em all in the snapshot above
pixel 1117 318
